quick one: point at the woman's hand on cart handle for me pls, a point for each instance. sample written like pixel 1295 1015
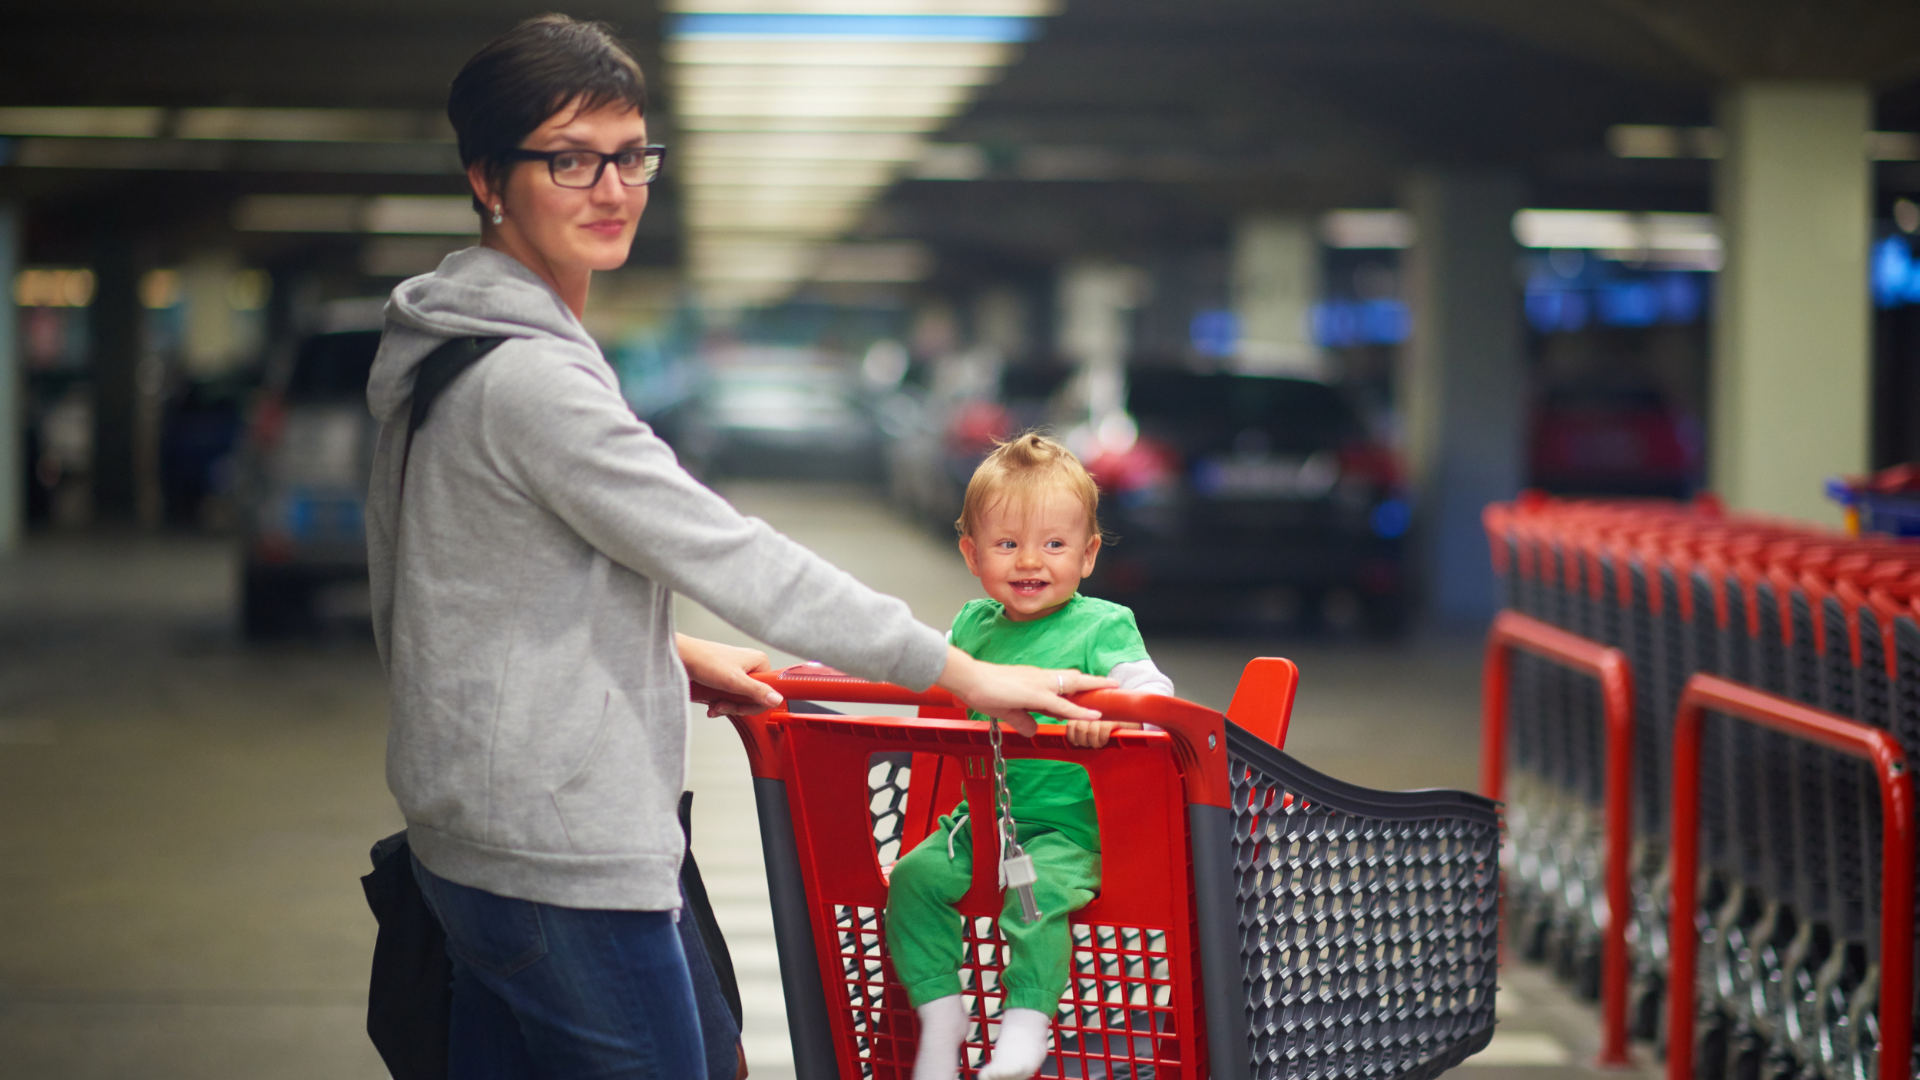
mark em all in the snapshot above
pixel 729 669
pixel 1011 692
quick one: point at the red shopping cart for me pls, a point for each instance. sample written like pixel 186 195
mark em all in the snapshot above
pixel 1257 919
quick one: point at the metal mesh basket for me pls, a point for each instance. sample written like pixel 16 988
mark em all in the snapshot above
pixel 1368 921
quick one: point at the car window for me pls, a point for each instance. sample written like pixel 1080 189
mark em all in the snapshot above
pixel 1031 382
pixel 333 368
pixel 1206 413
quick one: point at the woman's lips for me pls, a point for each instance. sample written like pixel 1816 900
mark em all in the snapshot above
pixel 609 228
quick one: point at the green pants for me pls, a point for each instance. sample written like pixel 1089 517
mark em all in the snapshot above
pixel 924 932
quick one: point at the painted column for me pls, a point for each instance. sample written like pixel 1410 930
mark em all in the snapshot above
pixel 114 368
pixel 1276 281
pixel 1792 357
pixel 13 436
pixel 1094 331
pixel 1461 389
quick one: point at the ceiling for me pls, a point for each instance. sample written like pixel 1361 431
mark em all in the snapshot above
pixel 1128 127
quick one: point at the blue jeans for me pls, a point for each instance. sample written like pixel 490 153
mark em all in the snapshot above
pixel 564 993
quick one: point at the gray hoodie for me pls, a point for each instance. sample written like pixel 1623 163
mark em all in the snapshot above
pixel 522 601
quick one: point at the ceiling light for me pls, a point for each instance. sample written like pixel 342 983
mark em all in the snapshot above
pixel 1689 239
pixel 799 112
pixel 1362 229
pixel 900 261
pixel 422 215
pixel 1015 8
pixel 271 125
pixel 817 26
pixel 70 122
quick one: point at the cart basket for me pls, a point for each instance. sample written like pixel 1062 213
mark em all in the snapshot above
pixel 1256 919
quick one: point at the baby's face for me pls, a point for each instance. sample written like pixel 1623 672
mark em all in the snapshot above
pixel 1031 558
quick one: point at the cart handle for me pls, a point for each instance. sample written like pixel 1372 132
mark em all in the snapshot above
pixel 1199 734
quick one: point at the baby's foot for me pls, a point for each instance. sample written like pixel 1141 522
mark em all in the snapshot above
pixel 943 1025
pixel 1021 1048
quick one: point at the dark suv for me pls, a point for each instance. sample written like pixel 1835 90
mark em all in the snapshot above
pixel 1246 496
pixel 304 479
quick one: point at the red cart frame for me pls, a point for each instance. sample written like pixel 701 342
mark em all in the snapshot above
pixel 1513 632
pixel 1706 693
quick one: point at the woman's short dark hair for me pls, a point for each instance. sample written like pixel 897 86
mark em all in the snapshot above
pixel 529 73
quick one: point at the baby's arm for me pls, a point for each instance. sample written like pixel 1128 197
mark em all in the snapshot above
pixel 1140 676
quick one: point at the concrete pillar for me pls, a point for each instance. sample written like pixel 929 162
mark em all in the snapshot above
pixel 116 318
pixel 1462 384
pixel 13 436
pixel 1792 359
pixel 1096 306
pixel 1276 282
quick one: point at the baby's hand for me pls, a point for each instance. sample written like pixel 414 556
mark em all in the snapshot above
pixel 1093 734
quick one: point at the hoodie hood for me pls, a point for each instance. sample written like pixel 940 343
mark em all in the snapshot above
pixel 476 292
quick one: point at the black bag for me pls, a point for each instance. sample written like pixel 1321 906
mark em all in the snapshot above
pixel 410 997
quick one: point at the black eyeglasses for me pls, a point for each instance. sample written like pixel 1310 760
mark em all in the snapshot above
pixel 582 168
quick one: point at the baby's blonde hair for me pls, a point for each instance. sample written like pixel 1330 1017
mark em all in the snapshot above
pixel 1026 468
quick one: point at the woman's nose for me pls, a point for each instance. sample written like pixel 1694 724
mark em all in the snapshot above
pixel 609 188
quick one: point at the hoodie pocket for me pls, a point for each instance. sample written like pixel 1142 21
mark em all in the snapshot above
pixel 603 805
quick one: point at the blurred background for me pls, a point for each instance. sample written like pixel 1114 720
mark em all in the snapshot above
pixel 1305 283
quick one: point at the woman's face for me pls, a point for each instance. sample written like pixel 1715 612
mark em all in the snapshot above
pixel 576 229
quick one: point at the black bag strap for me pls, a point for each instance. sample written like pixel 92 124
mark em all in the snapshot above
pixel 437 372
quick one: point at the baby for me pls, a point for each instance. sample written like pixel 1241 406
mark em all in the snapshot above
pixel 1029 531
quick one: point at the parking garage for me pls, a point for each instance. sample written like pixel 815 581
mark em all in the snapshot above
pixel 1308 288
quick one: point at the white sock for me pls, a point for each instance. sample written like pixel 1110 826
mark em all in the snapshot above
pixel 1022 1046
pixel 943 1026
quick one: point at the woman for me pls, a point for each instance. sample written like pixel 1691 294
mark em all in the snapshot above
pixel 523 595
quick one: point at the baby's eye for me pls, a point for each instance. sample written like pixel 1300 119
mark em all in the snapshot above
pixel 1055 545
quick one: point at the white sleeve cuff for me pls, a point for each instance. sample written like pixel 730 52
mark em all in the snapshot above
pixel 1141 677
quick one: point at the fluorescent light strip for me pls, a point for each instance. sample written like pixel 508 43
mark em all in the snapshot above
pixel 876 27
pixel 1617 231
pixel 798 113
pixel 841 54
pixel 889 79
pixel 234 125
pixel 1016 8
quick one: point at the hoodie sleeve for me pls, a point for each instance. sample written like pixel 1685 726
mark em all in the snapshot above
pixel 561 432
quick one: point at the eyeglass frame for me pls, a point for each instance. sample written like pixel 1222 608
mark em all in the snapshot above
pixel 652 150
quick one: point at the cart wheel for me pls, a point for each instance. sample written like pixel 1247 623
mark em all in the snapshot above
pixel 1745 1053
pixel 1531 939
pixel 1777 1063
pixel 1710 1047
pixel 1586 970
pixel 1646 1005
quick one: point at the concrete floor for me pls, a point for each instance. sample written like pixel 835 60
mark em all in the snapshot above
pixel 183 819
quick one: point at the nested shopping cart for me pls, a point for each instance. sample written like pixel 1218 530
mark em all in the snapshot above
pixel 1256 918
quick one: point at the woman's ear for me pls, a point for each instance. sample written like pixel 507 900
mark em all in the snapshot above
pixel 482 184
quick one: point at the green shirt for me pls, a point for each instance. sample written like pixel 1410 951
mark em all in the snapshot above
pixel 1086 635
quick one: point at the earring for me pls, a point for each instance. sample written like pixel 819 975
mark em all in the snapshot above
pixel 498 217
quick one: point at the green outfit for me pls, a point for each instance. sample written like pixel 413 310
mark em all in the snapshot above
pixel 1052 808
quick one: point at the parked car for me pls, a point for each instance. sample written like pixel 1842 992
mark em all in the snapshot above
pixel 1614 441
pixel 304 474
pixel 937 437
pixel 798 419
pixel 1250 497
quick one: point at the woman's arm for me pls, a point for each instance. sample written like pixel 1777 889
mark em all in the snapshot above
pixel 559 432
pixel 1011 692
